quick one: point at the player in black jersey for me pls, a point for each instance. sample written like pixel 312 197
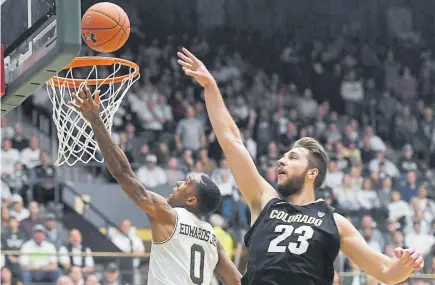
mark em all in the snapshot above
pixel 294 239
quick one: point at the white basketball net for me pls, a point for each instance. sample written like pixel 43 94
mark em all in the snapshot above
pixel 75 135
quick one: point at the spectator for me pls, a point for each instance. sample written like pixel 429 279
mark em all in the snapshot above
pixel 307 106
pixel 92 280
pixel 30 156
pixel 187 161
pixel 391 71
pixel 75 274
pixel 155 113
pixel 5 217
pixel 346 194
pixel 209 165
pixel 197 171
pixel 64 280
pixel 407 162
pixel 375 142
pixel 19 142
pixel 5 192
pixel 143 153
pixel 222 235
pixel 389 167
pixel 420 241
pixel 223 181
pixel 18 209
pixel 18 180
pixel 410 187
pixel 406 88
pixel 9 156
pixel 335 177
pixel 111 275
pixel 172 173
pixel 368 237
pixel 398 240
pixel 12 239
pixel 34 219
pixel 163 154
pixel 352 92
pixel 425 204
pixel 44 189
pixel 86 262
pixel 398 208
pixel 150 174
pixel 129 241
pixel 385 192
pixel 56 234
pixel 367 197
pixel 40 267
pixel 406 126
pixel 373 233
pixel 190 132
pixel 7 132
pixel 250 143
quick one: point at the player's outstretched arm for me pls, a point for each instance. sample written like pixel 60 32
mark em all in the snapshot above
pixel 385 269
pixel 256 191
pixel 117 163
pixel 225 269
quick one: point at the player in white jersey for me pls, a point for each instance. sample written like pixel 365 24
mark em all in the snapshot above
pixel 185 249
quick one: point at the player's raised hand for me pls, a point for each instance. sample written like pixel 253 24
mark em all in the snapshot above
pixel 410 258
pixel 194 67
pixel 86 104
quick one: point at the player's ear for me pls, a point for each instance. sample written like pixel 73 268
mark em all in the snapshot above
pixel 192 201
pixel 312 174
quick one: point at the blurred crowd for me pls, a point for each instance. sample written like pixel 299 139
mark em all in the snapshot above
pixel 370 104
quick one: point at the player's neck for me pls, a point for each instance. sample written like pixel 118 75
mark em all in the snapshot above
pixel 304 197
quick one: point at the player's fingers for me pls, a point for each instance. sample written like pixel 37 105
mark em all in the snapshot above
pixel 82 95
pixel 77 98
pixel 398 252
pixel 419 263
pixel 184 64
pixel 191 72
pixel 406 255
pixel 184 57
pixel 190 55
pixel 412 258
pixel 97 97
pixel 88 94
pixel 75 106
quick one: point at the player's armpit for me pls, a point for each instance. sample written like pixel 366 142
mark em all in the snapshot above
pixel 225 268
pixel 155 205
pixel 374 263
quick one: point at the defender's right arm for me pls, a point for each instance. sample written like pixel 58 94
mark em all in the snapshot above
pixel 255 189
pixel 117 163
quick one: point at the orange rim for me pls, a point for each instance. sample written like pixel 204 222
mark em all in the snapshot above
pixel 91 61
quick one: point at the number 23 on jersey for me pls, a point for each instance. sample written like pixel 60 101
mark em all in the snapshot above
pixel 305 233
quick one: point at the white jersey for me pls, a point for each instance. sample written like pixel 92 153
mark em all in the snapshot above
pixel 188 256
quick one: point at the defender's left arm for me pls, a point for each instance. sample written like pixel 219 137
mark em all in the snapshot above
pixel 376 264
pixel 225 269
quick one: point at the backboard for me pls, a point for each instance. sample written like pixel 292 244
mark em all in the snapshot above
pixel 39 38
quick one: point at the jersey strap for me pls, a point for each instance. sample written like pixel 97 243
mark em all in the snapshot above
pixel 266 208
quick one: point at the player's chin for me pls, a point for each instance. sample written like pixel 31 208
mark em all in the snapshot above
pixel 281 179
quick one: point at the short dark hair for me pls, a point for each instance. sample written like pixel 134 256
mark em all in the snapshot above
pixel 208 195
pixel 318 158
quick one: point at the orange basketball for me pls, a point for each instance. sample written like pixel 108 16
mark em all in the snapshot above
pixel 105 27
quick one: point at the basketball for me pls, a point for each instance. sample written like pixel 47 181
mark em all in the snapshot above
pixel 105 27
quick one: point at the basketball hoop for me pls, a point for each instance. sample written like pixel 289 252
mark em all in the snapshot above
pixel 76 138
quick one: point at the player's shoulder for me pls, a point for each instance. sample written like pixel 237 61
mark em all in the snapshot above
pixel 345 227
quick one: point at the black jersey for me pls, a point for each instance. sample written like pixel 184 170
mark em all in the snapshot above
pixel 291 244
